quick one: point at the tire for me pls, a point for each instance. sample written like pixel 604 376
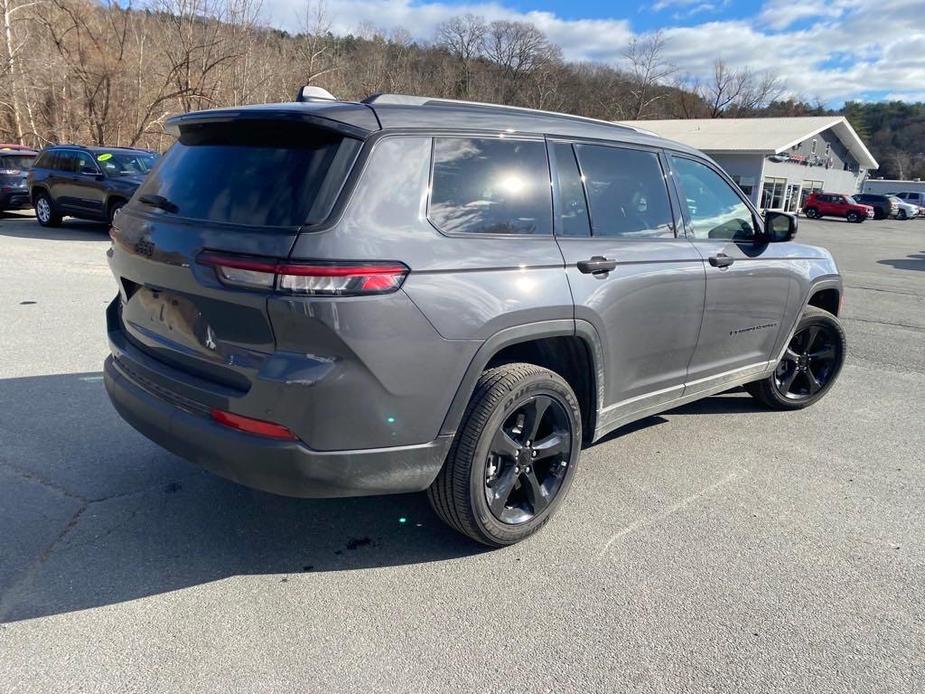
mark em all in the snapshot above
pixel 854 218
pixel 114 207
pixel 812 213
pixel 902 215
pixel 768 391
pixel 45 211
pixel 472 471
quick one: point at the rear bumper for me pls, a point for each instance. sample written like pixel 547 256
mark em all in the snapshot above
pixel 280 467
pixel 16 200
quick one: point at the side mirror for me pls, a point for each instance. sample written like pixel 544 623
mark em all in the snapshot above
pixel 779 226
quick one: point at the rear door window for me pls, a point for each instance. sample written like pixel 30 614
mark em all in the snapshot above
pixel 252 173
pixel 626 192
pixel 66 162
pixel 490 186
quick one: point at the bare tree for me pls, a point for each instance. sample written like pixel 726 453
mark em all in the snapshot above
pixel 464 39
pixel 315 44
pixel 518 49
pixel 740 89
pixel 649 69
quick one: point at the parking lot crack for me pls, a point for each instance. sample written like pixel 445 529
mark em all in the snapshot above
pixel 30 476
pixel 10 597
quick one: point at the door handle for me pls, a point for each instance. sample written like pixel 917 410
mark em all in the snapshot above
pixel 597 265
pixel 721 260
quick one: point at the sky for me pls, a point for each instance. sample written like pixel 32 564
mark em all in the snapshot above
pixel 832 50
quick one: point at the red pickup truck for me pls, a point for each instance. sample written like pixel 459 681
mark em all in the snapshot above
pixel 836 205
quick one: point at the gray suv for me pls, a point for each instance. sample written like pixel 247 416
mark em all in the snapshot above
pixel 329 298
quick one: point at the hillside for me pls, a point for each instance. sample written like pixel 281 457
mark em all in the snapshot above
pixel 81 71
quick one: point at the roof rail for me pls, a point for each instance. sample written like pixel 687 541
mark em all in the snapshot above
pixel 408 100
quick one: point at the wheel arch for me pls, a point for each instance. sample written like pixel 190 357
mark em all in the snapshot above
pixel 35 190
pixel 827 297
pixel 114 198
pixel 570 348
pixel 823 290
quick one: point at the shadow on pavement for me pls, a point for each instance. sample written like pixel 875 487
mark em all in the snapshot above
pixel 914 261
pixel 26 227
pixel 94 514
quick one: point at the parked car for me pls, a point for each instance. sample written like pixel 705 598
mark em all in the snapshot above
pixel 85 182
pixel 819 205
pixel 337 299
pixel 904 210
pixel 20 148
pixel 14 167
pixel 914 198
pixel 884 206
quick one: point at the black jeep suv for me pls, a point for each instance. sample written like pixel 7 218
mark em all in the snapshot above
pixel 85 182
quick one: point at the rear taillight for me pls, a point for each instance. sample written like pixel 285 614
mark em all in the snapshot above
pixel 309 278
pixel 249 425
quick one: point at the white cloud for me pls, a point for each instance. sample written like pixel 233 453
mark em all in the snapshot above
pixel 832 49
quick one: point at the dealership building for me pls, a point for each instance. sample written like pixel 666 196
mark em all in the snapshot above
pixel 777 162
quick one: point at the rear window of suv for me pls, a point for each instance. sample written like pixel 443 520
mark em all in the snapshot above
pixel 252 173
pixel 490 186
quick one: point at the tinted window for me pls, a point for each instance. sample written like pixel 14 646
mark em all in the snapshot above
pixel 490 186
pixel 115 164
pixel 572 212
pixel 626 192
pixel 66 161
pixel 716 210
pixel 252 173
pixel 19 162
pixel 85 161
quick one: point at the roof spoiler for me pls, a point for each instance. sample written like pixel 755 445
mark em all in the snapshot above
pixel 311 93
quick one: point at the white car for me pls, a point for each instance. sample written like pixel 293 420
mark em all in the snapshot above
pixel 904 210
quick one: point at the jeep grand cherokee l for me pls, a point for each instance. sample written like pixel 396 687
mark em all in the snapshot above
pixel 85 182
pixel 326 299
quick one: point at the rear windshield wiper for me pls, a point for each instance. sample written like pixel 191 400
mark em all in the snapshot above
pixel 158 201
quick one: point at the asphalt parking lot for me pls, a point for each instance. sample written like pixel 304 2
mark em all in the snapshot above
pixel 718 547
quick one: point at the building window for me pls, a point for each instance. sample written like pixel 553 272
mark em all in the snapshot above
pixel 746 184
pixel 772 193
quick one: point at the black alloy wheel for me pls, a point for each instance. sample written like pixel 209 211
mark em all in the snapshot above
pixel 527 460
pixel 809 366
pixel 514 456
pixel 810 360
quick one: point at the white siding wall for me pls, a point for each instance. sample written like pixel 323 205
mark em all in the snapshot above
pixel 894 186
pixel 833 180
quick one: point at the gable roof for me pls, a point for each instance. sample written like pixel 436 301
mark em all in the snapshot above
pixel 757 135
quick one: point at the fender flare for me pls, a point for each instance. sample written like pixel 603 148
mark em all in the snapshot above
pixel 818 284
pixel 507 337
